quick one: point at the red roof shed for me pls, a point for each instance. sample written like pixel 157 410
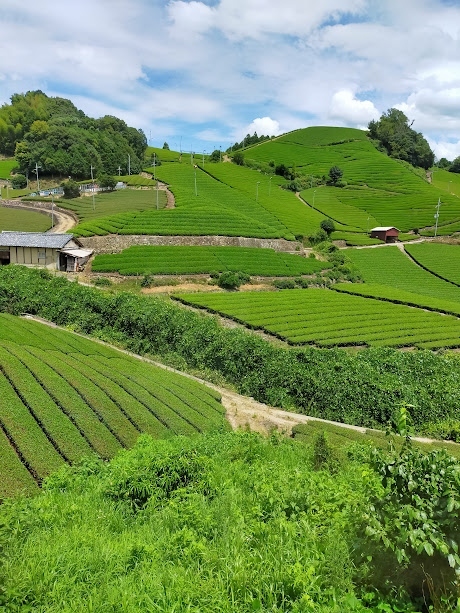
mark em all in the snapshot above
pixel 387 234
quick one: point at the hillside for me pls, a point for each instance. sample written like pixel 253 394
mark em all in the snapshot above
pixel 66 397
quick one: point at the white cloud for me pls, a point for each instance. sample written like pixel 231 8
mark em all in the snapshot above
pixel 351 111
pixel 263 126
pixel 446 150
pixel 205 69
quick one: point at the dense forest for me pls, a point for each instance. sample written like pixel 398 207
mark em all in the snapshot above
pixel 62 140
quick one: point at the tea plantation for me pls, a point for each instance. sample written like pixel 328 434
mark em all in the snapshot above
pixel 65 397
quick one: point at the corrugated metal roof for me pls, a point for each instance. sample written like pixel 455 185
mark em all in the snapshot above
pixel 34 239
pixel 384 229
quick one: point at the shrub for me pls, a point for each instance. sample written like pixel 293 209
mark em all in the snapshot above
pixel 238 158
pixel 284 283
pixel 328 226
pixel 19 182
pixel 71 189
pixel 232 280
pixel 146 281
pixel 102 282
pixel 335 173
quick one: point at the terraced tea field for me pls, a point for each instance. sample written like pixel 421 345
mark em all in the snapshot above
pixel 64 397
pixel 124 201
pixel 327 318
pixel 204 260
pixel 212 209
pixel 300 218
pixel 6 166
pixel 390 267
pixel 442 260
pixel 27 221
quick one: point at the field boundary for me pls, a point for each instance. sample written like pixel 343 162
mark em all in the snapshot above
pixel 435 274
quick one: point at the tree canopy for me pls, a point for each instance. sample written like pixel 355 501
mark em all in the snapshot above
pixel 63 140
pixel 393 134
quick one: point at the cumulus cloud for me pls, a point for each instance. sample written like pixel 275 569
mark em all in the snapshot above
pixel 447 150
pixel 351 111
pixel 264 126
pixel 206 68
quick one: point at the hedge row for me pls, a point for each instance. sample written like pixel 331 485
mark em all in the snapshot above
pixel 362 388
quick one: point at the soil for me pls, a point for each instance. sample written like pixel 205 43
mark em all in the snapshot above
pixel 201 287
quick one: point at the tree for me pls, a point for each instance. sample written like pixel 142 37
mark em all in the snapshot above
pixel 455 167
pixel 328 226
pixel 165 146
pixel 394 135
pixel 335 174
pixel 71 189
pixel 238 158
pixel 215 156
pixel 107 182
pixel 444 163
pixel 19 181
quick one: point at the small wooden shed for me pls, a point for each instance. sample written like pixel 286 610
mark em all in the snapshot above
pixel 45 250
pixel 387 234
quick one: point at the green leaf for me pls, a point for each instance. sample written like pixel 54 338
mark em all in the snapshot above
pixel 428 547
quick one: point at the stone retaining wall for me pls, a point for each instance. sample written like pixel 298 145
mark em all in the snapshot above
pixel 115 243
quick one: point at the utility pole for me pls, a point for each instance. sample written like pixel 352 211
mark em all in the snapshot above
pixel 119 170
pixel 92 177
pixel 36 172
pixel 52 209
pixel 129 164
pixel 154 164
pixel 270 186
pixel 436 216
pixel 157 196
pixel 220 153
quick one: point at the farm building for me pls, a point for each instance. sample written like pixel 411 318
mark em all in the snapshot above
pixel 387 234
pixel 53 251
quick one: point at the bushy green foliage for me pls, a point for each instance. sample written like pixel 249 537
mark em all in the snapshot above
pixel 107 181
pixel 63 140
pixel 335 174
pixel 394 134
pixel 232 279
pixel 367 385
pixel 328 226
pixel 238 158
pixel 19 181
pixel 71 189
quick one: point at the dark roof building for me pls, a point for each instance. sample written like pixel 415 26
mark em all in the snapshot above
pixel 387 234
pixel 48 250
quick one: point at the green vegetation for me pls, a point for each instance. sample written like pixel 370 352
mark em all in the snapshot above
pixel 211 208
pixel 330 319
pixel 6 166
pixel 447 181
pixel 300 219
pixel 63 140
pixel 361 388
pixel 442 260
pixel 389 266
pixel 387 190
pixel 27 221
pixel 235 523
pixel 66 397
pixel 202 260
pixel 111 208
pixel 393 134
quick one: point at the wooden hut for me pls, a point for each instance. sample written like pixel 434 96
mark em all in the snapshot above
pixel 53 251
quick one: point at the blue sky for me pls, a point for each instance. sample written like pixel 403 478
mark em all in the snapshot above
pixel 204 73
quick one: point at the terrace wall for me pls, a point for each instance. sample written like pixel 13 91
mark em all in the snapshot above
pixel 115 243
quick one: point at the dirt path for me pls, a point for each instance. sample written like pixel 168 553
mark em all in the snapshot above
pixel 62 221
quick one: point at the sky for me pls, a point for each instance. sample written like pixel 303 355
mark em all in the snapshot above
pixel 201 74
